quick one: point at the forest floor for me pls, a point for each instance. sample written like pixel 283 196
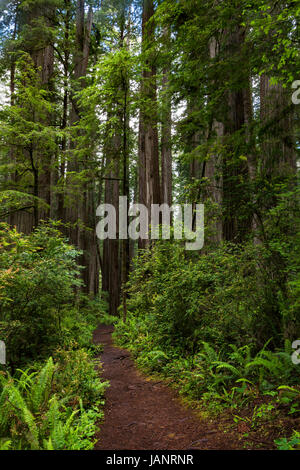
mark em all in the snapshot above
pixel 142 413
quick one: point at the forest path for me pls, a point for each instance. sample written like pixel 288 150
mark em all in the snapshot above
pixel 143 414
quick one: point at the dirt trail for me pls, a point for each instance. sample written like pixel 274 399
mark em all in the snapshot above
pixel 147 415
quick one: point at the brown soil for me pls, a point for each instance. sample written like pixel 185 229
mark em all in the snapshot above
pixel 143 414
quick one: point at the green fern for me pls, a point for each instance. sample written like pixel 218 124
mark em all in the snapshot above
pixel 209 355
pixel 41 389
pixel 225 365
pixel 5 445
pixel 13 406
pixel 47 444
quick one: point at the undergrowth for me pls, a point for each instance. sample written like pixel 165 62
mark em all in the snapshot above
pixel 51 395
pixel 50 408
pixel 220 327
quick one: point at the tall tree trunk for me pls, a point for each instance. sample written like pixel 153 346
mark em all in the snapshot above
pixel 214 164
pixel 43 59
pixel 111 260
pixel 80 213
pixel 126 243
pixel 166 134
pixel 276 113
pixel 235 170
pixel 44 62
pixel 81 55
pixel 12 219
pixel 61 170
pixel 149 178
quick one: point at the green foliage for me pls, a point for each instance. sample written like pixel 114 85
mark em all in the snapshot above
pixel 26 135
pixel 44 409
pixel 107 319
pixel 5 444
pixel 12 201
pixel 38 276
pixel 229 295
pixel 289 444
pixel 205 321
pixel 77 376
pixel 231 377
pixel 55 405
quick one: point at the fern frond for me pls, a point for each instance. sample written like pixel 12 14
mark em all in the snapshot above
pixel 41 389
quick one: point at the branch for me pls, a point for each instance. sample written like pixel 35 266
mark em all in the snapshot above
pixel 5 214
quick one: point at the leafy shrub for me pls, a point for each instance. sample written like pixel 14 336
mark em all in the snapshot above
pixel 223 297
pixel 40 306
pixel 38 274
pixel 53 405
pixel 76 377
